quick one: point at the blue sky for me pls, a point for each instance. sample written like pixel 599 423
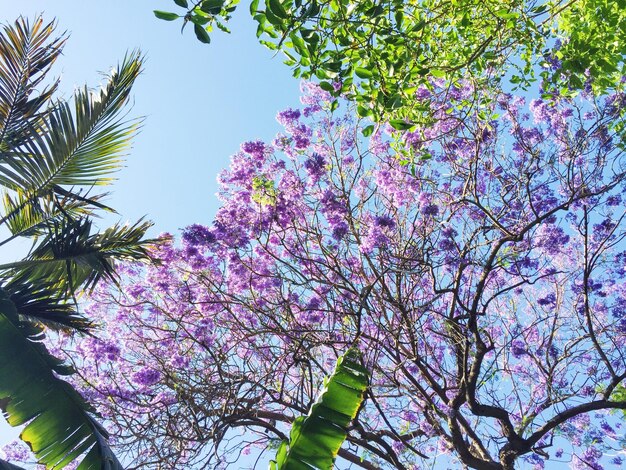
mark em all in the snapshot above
pixel 199 101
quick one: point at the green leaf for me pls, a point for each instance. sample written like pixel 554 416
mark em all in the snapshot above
pixel 362 72
pixel 212 7
pixel 200 20
pixel 165 15
pixel 393 102
pixel 299 45
pixel 40 303
pixel 327 86
pixel 277 9
pixel 315 439
pixel 363 111
pixel 70 256
pixel 313 9
pixel 400 124
pixel 272 18
pixel 201 34
pixel 182 3
pixel 31 216
pixel 21 76
pixel 60 427
pixel 418 26
pixel 367 131
pixel 54 154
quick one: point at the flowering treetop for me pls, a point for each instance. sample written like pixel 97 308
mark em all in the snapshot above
pixel 483 283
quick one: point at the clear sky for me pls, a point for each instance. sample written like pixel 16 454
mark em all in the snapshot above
pixel 199 101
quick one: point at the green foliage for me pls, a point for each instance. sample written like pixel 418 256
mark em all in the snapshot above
pixel 381 51
pixel 315 439
pixel 53 156
pixel 264 191
pixel 72 256
pixel 203 15
pixel 79 146
pixel 20 111
pixel 619 394
pixel 593 35
pixel 59 425
pixel 164 15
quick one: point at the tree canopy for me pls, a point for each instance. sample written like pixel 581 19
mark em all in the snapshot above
pixel 483 286
pixel 379 52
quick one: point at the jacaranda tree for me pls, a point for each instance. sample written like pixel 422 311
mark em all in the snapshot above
pixel 477 264
pixel 53 156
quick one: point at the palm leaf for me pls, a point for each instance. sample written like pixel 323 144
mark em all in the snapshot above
pixel 79 147
pixel 28 216
pixel 315 439
pixel 71 256
pixel 60 424
pixel 26 55
pixel 41 304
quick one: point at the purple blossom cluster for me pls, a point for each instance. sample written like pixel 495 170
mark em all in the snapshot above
pixel 490 276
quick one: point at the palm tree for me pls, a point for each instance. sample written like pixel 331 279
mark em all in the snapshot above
pixel 53 157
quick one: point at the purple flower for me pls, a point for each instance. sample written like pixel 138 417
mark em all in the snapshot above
pixel 477 226
pixel 288 117
pixel 146 376
pixel 422 93
pixel 198 235
pixel 430 209
pixel 536 461
pixel 540 111
pixel 447 245
pixel 255 148
pixel 614 200
pixel 375 238
pixel 549 299
pixel 384 221
pixel 591 457
pixel 518 348
pixel 314 166
pixel 16 452
pixel 339 230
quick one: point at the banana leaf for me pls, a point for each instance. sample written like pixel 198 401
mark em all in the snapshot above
pixel 60 425
pixel 315 439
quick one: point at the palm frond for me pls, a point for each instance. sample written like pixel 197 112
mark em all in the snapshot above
pixel 26 54
pixel 41 304
pixel 71 256
pixel 82 147
pixel 60 423
pixel 30 216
